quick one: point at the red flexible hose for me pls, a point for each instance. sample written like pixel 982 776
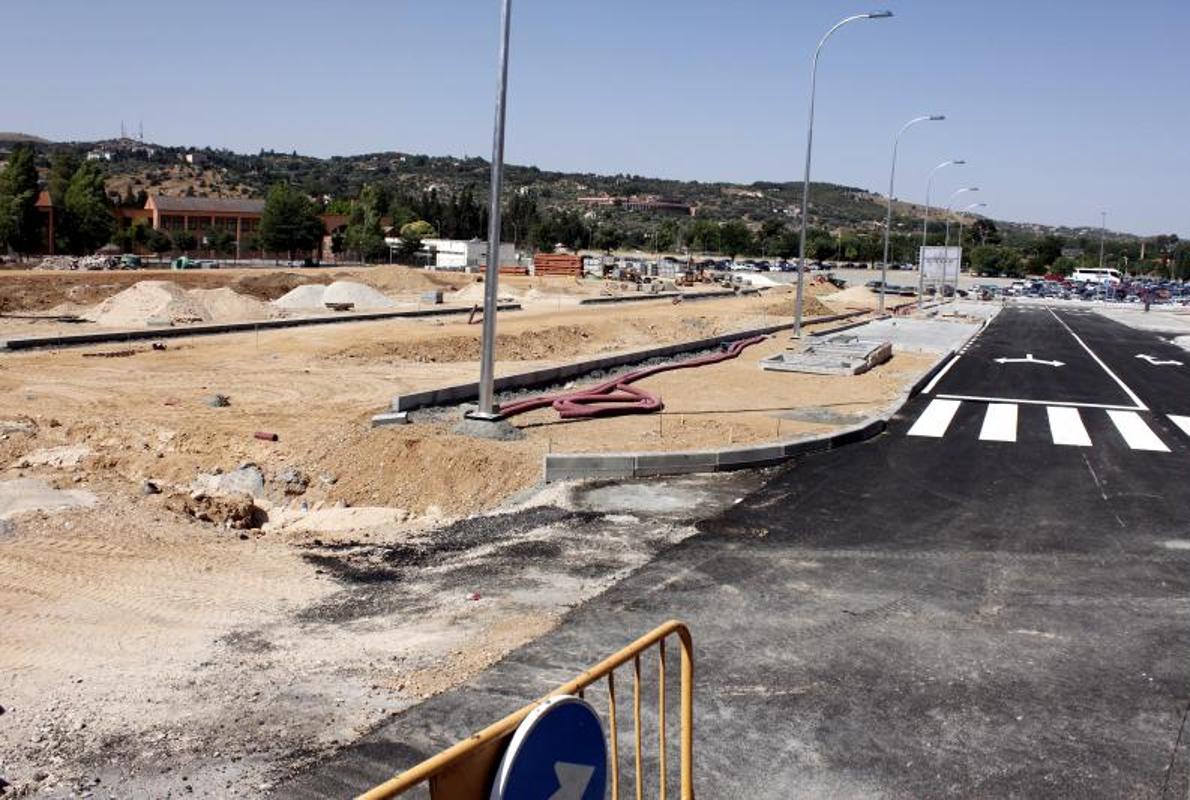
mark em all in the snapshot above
pixel 617 396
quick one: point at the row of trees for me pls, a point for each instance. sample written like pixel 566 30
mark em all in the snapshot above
pixel 82 210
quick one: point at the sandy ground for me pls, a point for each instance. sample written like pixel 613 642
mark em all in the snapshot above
pixel 147 648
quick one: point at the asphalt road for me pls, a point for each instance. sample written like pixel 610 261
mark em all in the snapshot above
pixel 991 603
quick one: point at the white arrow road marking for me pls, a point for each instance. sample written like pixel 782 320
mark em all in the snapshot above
pixel 1158 363
pixel 1029 359
pixel 572 780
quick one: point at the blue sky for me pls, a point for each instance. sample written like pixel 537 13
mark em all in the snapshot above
pixel 1062 109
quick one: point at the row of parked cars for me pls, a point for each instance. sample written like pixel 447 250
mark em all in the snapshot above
pixel 1126 290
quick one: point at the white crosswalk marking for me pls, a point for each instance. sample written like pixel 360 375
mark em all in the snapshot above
pixel 1181 422
pixel 1136 433
pixel 935 419
pixel 1066 426
pixel 999 423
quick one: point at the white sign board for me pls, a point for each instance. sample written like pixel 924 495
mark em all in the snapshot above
pixel 940 263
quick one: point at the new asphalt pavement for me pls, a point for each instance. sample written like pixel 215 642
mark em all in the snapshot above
pixel 992 599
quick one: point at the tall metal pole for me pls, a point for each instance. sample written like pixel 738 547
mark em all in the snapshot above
pixel 925 231
pixel 487 364
pixel 1102 236
pixel 801 264
pixel 958 271
pixel 892 179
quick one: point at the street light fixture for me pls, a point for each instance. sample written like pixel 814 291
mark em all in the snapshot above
pixel 949 206
pixel 801 265
pixel 487 408
pixel 892 177
pixel 925 228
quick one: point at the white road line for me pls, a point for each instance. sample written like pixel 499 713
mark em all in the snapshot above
pixel 930 386
pixel 1066 427
pixel 1181 422
pixel 1134 430
pixel 1131 394
pixel 977 399
pixel 935 419
pixel 999 423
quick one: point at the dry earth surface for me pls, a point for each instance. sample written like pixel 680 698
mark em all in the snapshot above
pixel 175 624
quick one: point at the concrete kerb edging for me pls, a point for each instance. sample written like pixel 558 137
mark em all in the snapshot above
pixel 551 376
pixel 210 329
pixel 583 466
pixel 685 296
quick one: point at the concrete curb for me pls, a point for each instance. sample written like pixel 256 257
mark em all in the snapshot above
pixel 550 376
pixel 640 298
pixel 99 337
pixel 583 466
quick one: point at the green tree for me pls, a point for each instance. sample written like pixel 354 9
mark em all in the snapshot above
pixel 1047 251
pixel 87 221
pixel 735 238
pixel 184 241
pixel 20 227
pixel 364 234
pixel 63 165
pixel 996 260
pixel 222 242
pixel 290 221
pixel 419 229
pixel 159 242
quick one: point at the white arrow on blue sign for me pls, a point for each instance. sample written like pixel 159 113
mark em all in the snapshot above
pixel 558 752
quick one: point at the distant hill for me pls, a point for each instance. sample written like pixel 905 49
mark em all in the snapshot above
pixel 9 136
pixel 135 167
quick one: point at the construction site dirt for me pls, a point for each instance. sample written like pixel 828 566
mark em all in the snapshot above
pixel 188 605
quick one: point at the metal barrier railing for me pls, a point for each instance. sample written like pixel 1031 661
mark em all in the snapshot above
pixel 464 770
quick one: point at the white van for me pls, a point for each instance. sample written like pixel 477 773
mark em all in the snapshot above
pixel 1109 276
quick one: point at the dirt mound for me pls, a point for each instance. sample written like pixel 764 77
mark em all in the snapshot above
pixel 419 468
pixel 271 285
pixel 854 298
pixel 164 302
pixel 311 297
pixel 410 279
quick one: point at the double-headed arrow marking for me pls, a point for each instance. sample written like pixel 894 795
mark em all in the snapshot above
pixel 1029 359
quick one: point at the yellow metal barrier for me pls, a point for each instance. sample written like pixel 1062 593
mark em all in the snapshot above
pixel 463 771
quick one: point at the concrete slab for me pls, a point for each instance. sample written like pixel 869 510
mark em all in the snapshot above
pixel 390 418
pixel 841 354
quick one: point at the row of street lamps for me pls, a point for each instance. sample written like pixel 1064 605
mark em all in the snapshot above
pixel 805 209
pixel 487 409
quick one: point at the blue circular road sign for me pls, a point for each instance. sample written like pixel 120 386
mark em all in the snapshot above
pixel 557 753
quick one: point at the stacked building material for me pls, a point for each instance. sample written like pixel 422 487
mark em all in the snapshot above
pixel 508 269
pixel 564 264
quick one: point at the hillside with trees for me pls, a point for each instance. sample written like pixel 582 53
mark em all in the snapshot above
pixel 543 209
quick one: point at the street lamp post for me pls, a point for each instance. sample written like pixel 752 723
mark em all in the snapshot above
pixel 801 264
pixel 487 408
pixel 925 229
pixel 949 207
pixel 1102 236
pixel 892 178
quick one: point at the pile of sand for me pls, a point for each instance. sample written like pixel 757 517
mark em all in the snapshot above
pixel 474 294
pixel 856 297
pixel 164 302
pixel 315 296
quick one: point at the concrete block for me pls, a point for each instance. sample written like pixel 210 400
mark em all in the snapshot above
pixel 392 418
pixel 433 297
pixel 649 464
